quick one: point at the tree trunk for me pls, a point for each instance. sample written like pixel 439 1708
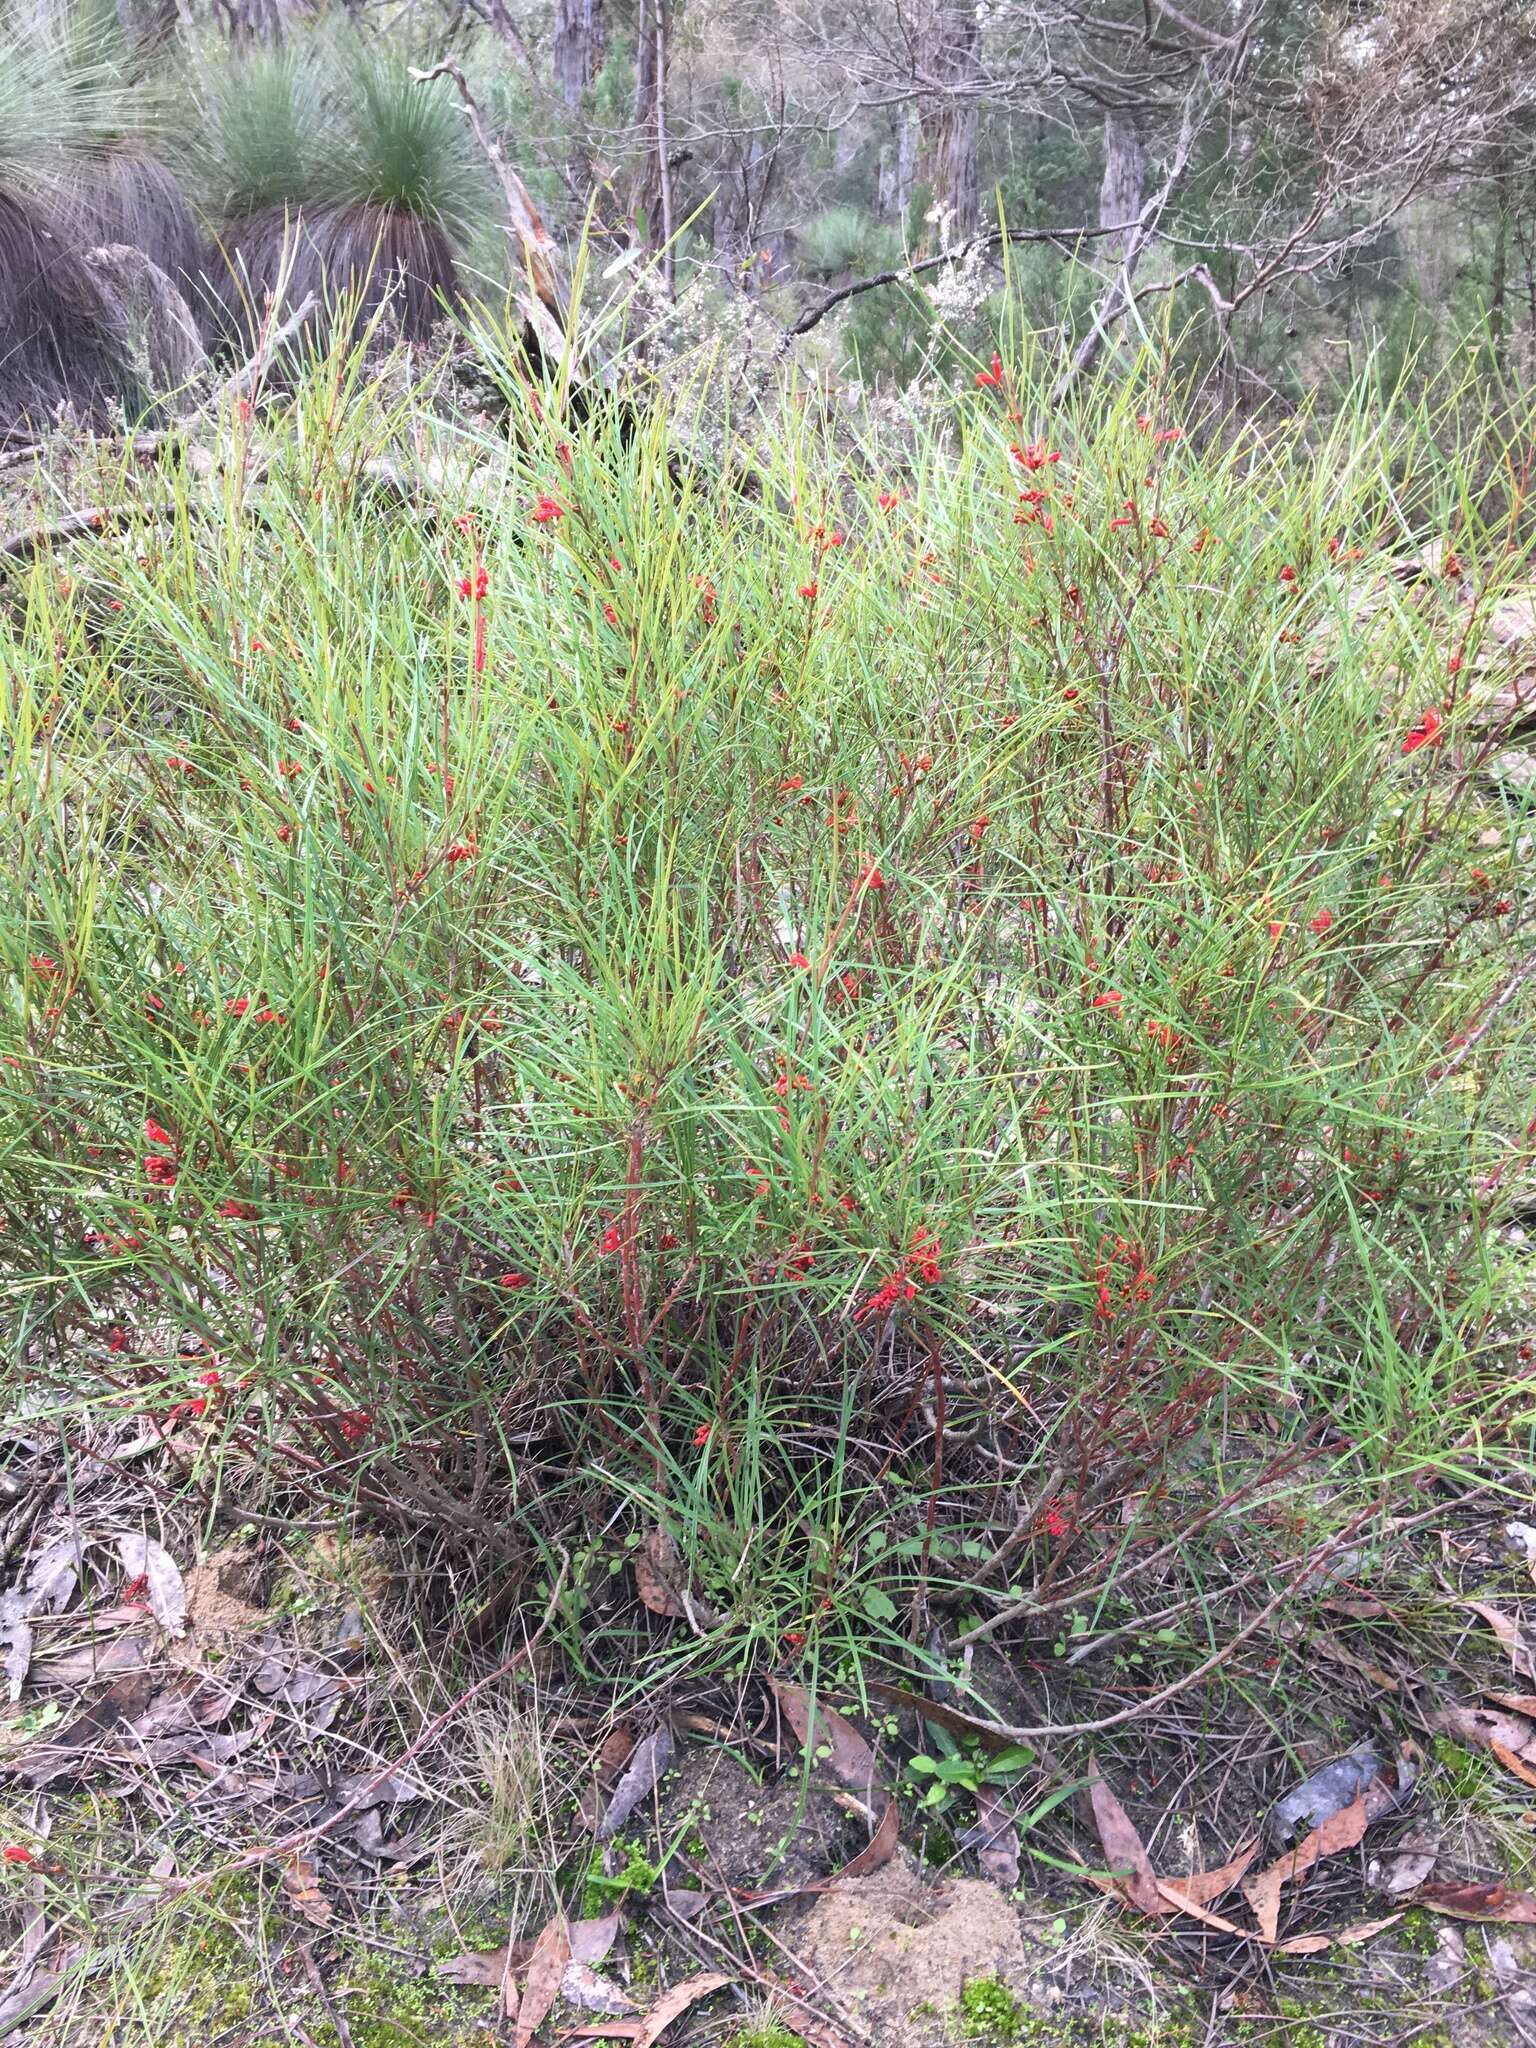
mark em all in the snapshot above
pixel 645 192
pixel 1125 176
pixel 1498 281
pixel 731 219
pixel 947 123
pixel 578 49
pixel 898 170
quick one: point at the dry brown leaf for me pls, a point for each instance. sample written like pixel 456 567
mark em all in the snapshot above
pixel 834 1740
pixel 661 1580
pixel 1407 1867
pixel 1515 1765
pixel 1477 1727
pixel 1345 1937
pixel 582 1986
pixel 1479 1902
pixel 1205 1887
pixel 989 1736
pixel 614 1752
pixel 649 1760
pixel 487 1966
pixel 1175 1901
pixel 592 1939
pixel 541 1983
pixel 144 1558
pixel 98 1659
pixel 880 1847
pixel 994 1838
pixel 1125 1853
pixel 45 1588
pixel 1341 1830
pixel 820 1728
pixel 1516 1702
pixel 1507 1629
pixel 676 2003
pixel 655 1563
pixel 67 1752
pixel 302 1889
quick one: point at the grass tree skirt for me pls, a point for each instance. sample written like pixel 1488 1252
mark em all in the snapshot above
pixel 358 261
pixel 57 348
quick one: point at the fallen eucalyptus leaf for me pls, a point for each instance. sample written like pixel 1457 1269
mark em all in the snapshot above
pixel 649 1760
pixel 144 1558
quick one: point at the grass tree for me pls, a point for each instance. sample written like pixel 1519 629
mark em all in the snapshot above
pixel 61 100
pixel 335 173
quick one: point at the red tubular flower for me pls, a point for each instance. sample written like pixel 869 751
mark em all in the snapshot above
pixel 872 878
pixel 611 1239
pixel 157 1134
pixel 702 1434
pixel 888 500
pixel 808 591
pixel 13 1852
pixel 1111 999
pixel 474 586
pixel 995 374
pixel 1321 923
pixel 162 1172
pixel 1035 456
pixel 797 960
pixel 512 1281
pixel 1426 733
pixel 547 510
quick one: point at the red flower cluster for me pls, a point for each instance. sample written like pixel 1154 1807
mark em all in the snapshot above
pixel 1035 456
pixel 1425 734
pixel 1052 1520
pixel 920 1268
pixel 547 510
pixel 475 586
pixel 1135 1284
pixel 995 374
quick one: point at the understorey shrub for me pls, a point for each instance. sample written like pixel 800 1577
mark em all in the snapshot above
pixel 994 956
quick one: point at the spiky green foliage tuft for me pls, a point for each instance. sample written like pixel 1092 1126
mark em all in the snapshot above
pixel 65 92
pixel 261 122
pixel 408 147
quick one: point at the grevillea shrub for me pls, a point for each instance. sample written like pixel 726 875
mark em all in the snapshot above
pixel 1020 931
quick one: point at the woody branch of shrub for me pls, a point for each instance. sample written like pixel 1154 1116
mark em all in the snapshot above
pixel 984 957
